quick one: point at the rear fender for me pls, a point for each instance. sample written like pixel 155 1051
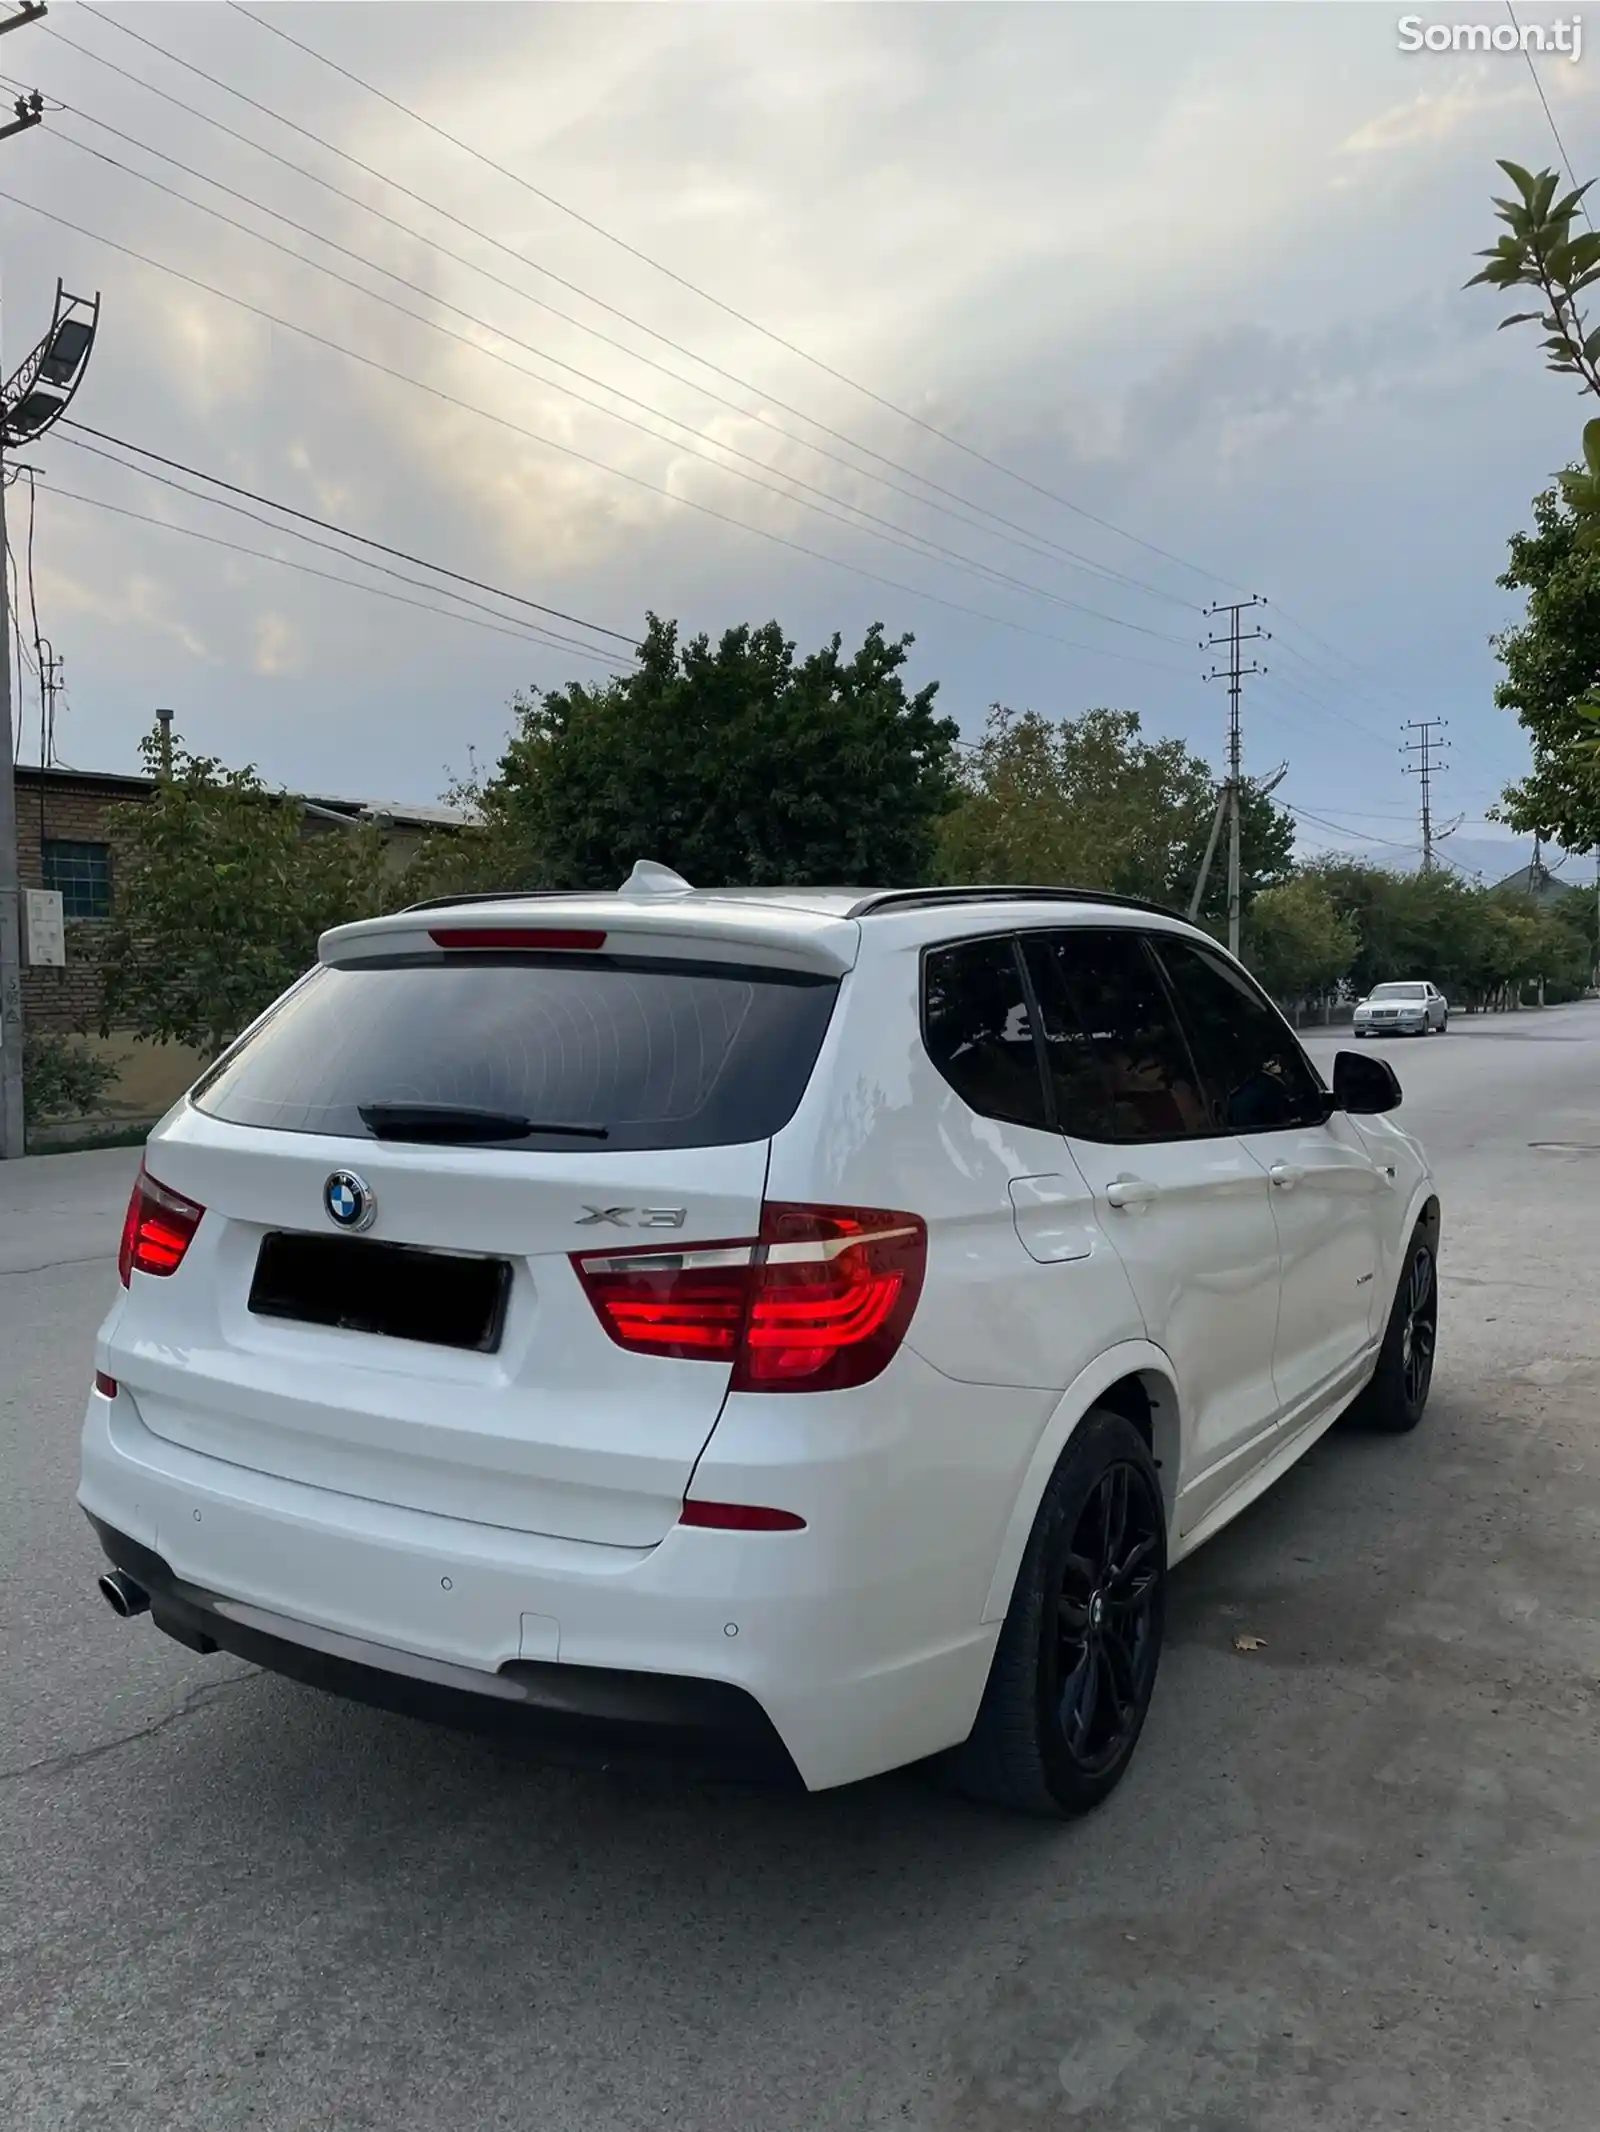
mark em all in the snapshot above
pixel 1129 1358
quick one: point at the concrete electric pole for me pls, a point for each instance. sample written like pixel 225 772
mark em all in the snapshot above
pixel 31 399
pixel 1233 673
pixel 1425 752
pixel 13 1142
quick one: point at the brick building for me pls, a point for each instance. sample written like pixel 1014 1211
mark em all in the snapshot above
pixel 64 842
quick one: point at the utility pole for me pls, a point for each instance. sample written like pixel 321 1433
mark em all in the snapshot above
pixel 35 395
pixel 13 1142
pixel 50 665
pixel 13 1138
pixel 1425 752
pixel 1233 673
pixel 49 683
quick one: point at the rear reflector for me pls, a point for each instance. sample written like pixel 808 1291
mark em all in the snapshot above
pixel 104 1385
pixel 159 1229
pixel 522 936
pixel 740 1517
pixel 819 1302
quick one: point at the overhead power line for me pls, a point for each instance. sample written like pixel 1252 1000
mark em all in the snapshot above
pixel 365 540
pixel 1320 702
pixel 1304 814
pixel 1029 537
pixel 977 516
pixel 509 628
pixel 841 377
pixel 570 451
pixel 556 640
pixel 903 537
pixel 1555 130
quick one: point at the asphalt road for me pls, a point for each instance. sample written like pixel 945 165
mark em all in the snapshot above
pixel 1353 1880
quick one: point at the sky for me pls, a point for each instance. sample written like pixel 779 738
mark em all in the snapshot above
pixel 1071 320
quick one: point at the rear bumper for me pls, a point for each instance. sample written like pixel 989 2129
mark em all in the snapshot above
pixel 586 1714
pixel 847 1649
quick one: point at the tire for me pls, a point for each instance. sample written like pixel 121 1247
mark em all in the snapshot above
pixel 1076 1661
pixel 1393 1402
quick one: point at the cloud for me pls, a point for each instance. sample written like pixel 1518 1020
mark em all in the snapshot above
pixel 1434 117
pixel 135 602
pixel 277 646
pixel 1193 268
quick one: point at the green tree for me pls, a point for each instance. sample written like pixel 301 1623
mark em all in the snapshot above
pixel 733 762
pixel 1539 251
pixel 61 1079
pixel 219 901
pixel 1559 705
pixel 1552 662
pixel 1480 946
pixel 1299 941
pixel 1088 801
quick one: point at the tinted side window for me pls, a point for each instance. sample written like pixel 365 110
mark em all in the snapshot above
pixel 1119 1066
pixel 976 1027
pixel 1257 1078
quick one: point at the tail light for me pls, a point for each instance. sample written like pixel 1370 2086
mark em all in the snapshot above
pixel 159 1229
pixel 817 1303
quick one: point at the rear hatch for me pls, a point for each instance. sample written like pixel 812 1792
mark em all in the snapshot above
pixel 397 1168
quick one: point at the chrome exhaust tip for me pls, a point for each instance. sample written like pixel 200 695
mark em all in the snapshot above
pixel 122 1595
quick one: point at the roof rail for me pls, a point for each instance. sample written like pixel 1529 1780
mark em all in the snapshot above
pixel 486 895
pixel 897 898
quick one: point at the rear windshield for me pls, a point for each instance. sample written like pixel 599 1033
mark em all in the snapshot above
pixel 662 1055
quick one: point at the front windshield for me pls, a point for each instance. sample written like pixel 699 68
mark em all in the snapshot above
pixel 1400 992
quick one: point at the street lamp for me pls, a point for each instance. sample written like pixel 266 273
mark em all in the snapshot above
pixel 40 391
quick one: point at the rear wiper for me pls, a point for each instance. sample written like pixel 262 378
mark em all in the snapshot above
pixel 462 1124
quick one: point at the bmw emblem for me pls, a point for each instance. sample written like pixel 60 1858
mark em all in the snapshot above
pixel 348 1200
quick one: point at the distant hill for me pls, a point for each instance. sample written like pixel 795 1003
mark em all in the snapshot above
pixel 1485 860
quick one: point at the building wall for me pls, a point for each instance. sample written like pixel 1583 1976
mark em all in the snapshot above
pixel 74 807
pixel 65 1000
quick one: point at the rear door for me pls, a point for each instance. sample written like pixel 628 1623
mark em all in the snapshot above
pixel 1328 1194
pixel 1185 1206
pixel 439 1350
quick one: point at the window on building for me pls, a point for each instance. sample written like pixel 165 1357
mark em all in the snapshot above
pixel 82 872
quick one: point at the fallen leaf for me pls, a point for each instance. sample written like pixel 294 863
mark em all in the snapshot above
pixel 1249 1643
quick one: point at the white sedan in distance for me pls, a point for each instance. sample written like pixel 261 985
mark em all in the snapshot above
pixel 1409 1009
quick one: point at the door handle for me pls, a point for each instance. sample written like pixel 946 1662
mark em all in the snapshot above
pixel 1131 1192
pixel 1286 1175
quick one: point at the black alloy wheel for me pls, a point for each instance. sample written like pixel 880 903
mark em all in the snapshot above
pixel 1075 1664
pixel 1394 1400
pixel 1419 1331
pixel 1105 1645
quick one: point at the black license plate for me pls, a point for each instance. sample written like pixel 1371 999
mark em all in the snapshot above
pixel 399 1290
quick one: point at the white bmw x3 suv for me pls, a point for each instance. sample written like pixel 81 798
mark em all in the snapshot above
pixel 790 1330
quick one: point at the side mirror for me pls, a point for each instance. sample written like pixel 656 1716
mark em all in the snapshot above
pixel 1364 1085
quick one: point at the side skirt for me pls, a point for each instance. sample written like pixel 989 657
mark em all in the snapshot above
pixel 1296 1443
